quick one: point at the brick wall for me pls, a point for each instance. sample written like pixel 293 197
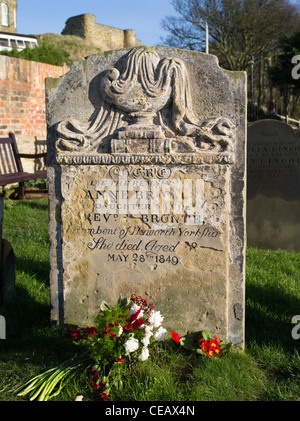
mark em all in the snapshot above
pixel 22 103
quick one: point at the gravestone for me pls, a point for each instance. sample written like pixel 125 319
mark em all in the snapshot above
pixel 146 171
pixel 1 222
pixel 2 327
pixel 7 265
pixel 273 180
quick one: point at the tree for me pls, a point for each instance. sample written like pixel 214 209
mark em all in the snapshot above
pixel 238 29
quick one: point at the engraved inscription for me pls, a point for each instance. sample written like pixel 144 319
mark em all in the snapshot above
pixel 121 159
pixel 145 215
pixel 273 151
pixel 141 244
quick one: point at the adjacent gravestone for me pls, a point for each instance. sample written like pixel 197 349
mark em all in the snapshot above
pixel 1 222
pixel 273 180
pixel 146 170
pixel 2 327
pixel 7 265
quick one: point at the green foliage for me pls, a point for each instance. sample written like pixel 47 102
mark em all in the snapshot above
pixel 39 183
pixel 44 53
pixel 49 384
pixel 105 349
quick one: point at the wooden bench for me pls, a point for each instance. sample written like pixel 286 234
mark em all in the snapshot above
pixel 11 169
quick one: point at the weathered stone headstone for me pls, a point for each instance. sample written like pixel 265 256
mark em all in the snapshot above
pixel 146 177
pixel 273 180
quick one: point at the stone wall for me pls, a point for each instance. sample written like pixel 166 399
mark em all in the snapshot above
pixel 12 13
pixel 101 36
pixel 22 102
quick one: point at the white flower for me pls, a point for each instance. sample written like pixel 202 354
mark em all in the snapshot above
pixel 148 330
pixel 160 335
pixel 156 319
pixel 131 344
pixel 148 333
pixel 146 340
pixel 120 331
pixel 134 308
pixel 145 354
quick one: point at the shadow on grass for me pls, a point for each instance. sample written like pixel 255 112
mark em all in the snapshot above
pixel 30 333
pixel 39 269
pixel 269 315
pixel 36 204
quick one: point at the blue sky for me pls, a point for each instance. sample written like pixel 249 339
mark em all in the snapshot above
pixel 144 16
pixel 36 17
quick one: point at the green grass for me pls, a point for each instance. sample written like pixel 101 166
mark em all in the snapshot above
pixel 268 369
pixel 74 47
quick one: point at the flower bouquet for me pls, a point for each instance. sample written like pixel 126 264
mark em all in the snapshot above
pixel 121 334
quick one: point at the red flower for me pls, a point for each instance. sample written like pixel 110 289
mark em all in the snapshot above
pixel 137 323
pixel 133 321
pixel 210 352
pixel 107 329
pixel 205 346
pixel 90 331
pixel 103 396
pixel 214 343
pixel 210 347
pixel 135 315
pixel 96 385
pixel 75 334
pixel 95 374
pixel 175 337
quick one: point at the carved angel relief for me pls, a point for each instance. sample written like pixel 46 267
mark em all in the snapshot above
pixel 146 107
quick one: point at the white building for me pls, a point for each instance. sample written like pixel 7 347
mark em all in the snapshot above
pixel 9 38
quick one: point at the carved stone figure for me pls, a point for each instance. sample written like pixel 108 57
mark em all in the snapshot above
pixel 146 106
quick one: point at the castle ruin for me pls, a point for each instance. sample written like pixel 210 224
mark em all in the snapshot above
pixel 101 36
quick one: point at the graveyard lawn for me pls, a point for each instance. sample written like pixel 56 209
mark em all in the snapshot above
pixel 268 370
